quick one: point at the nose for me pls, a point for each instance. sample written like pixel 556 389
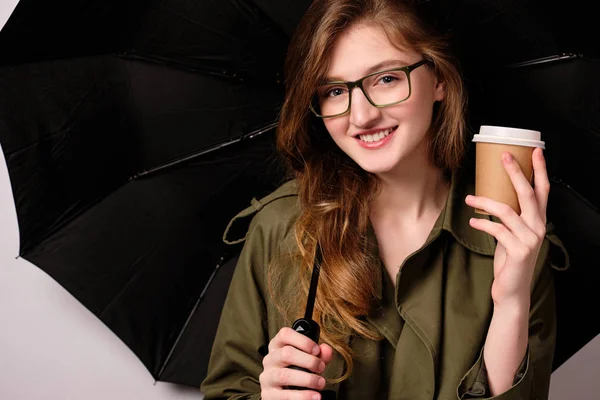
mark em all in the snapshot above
pixel 362 113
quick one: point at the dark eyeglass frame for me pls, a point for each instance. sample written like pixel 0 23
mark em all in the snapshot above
pixel 359 84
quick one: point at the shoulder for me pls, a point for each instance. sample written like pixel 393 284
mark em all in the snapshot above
pixel 266 229
pixel 273 214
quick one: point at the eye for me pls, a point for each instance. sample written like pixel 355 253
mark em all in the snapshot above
pixel 334 92
pixel 387 79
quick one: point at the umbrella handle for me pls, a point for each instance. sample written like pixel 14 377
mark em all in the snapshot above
pixel 310 329
pixel 307 326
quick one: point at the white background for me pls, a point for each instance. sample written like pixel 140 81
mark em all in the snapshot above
pixel 52 348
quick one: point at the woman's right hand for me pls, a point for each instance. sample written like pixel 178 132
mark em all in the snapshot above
pixel 287 348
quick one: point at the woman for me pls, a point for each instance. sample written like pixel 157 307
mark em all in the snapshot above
pixel 415 299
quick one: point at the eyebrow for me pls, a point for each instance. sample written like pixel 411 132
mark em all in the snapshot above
pixel 391 63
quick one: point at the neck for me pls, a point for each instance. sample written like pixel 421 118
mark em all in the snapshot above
pixel 414 190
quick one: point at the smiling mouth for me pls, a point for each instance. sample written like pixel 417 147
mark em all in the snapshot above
pixel 376 137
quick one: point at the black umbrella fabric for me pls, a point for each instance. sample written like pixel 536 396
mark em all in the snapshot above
pixel 133 131
pixel 128 155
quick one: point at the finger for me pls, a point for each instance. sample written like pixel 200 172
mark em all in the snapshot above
pixel 326 353
pixel 289 337
pixel 289 355
pixel 507 215
pixel 522 185
pixel 541 182
pixel 512 245
pixel 288 394
pixel 281 377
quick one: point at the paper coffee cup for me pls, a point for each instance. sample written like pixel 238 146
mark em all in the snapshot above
pixel 491 179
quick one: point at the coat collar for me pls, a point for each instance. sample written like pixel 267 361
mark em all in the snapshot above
pixel 453 219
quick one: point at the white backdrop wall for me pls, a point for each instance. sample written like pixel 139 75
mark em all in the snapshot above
pixel 6 8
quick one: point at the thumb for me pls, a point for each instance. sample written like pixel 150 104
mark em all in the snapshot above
pixel 326 353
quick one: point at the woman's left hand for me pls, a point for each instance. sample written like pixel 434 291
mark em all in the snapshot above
pixel 519 237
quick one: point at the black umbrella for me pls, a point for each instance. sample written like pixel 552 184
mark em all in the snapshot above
pixel 134 130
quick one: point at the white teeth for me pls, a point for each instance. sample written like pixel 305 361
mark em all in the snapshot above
pixel 375 137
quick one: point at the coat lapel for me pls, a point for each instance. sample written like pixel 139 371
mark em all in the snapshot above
pixel 419 287
pixel 420 297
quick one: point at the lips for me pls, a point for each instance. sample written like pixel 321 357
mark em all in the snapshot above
pixel 376 139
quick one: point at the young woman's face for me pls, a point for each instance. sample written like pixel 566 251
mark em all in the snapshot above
pixel 353 56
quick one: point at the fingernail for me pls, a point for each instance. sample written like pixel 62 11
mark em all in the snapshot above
pixel 316 350
pixel 507 157
pixel 316 397
pixel 469 198
pixel 321 382
pixel 321 367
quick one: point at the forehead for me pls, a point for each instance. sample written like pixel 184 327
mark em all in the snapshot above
pixel 360 48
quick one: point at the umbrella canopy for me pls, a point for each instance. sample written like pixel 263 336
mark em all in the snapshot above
pixel 110 142
pixel 133 131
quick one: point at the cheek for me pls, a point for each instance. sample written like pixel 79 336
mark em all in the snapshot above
pixel 421 106
pixel 336 127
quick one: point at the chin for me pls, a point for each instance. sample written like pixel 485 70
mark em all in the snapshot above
pixel 379 167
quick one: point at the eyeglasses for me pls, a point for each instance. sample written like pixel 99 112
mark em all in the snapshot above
pixel 382 89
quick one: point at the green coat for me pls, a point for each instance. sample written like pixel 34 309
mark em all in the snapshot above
pixel 434 324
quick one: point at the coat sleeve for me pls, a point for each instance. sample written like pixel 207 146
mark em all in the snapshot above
pixel 532 381
pixel 236 358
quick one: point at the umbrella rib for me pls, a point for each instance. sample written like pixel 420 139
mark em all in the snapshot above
pixel 546 60
pixel 221 145
pixel 574 192
pixel 212 277
pixel 194 67
pixel 130 54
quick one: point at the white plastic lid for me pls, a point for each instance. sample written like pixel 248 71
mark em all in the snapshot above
pixel 505 135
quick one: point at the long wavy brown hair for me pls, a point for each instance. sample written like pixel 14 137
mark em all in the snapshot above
pixel 334 192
